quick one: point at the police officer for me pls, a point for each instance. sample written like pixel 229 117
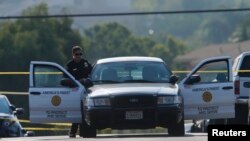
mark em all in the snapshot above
pixel 80 68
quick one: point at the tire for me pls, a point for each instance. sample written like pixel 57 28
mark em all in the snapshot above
pixel 87 131
pixel 241 114
pixel 177 128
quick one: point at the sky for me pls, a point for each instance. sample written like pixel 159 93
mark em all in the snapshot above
pixel 15 7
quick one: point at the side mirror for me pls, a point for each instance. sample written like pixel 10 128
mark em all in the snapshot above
pixel 12 107
pixel 193 79
pixel 86 82
pixel 68 83
pixel 173 79
pixel 29 134
pixel 19 111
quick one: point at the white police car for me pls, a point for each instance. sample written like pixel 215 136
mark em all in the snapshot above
pixel 204 95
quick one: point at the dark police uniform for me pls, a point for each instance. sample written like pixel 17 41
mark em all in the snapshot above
pixel 79 70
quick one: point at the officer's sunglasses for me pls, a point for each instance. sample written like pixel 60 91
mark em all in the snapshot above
pixel 78 54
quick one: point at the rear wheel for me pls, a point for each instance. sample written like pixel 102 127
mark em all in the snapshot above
pixel 241 114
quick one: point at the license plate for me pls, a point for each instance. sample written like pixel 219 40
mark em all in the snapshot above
pixel 133 115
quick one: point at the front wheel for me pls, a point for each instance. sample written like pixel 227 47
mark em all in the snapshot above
pixel 177 128
pixel 87 131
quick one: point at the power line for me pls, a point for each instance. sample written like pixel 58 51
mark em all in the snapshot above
pixel 125 13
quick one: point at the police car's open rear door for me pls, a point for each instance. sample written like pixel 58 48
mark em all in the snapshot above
pixel 54 94
pixel 208 90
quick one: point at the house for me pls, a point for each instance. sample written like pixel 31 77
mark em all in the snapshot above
pixel 190 59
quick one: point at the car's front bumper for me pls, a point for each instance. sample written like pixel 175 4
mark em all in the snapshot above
pixel 10 131
pixel 115 117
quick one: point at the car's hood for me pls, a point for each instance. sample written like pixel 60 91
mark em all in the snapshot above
pixel 133 88
pixel 4 116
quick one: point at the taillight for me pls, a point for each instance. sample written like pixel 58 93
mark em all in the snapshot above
pixel 237 87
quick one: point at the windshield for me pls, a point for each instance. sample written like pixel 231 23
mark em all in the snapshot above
pixel 131 72
pixel 4 106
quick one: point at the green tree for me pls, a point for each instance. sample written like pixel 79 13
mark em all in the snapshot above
pixel 197 29
pixel 43 39
pixel 214 30
pixel 111 40
pixel 241 32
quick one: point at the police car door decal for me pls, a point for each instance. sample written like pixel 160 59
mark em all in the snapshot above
pixel 49 100
pixel 208 90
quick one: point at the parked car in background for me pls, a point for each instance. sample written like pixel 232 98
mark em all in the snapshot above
pixel 241 78
pixel 9 124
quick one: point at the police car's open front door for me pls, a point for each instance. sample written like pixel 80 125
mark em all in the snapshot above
pixel 50 99
pixel 208 90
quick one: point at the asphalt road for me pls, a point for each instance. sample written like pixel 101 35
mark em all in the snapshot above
pixel 117 137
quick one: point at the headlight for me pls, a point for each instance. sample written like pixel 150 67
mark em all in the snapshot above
pixel 8 122
pixel 98 102
pixel 10 128
pixel 169 100
pixel 89 102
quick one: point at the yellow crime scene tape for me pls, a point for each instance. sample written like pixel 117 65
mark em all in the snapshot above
pixel 26 73
pixel 68 124
pixel 13 73
pixel 13 93
pixel 175 71
pixel 59 124
pixel 64 126
pixel 44 129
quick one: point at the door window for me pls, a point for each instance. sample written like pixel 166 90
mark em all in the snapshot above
pixel 5 108
pixel 213 72
pixel 245 67
pixel 47 76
